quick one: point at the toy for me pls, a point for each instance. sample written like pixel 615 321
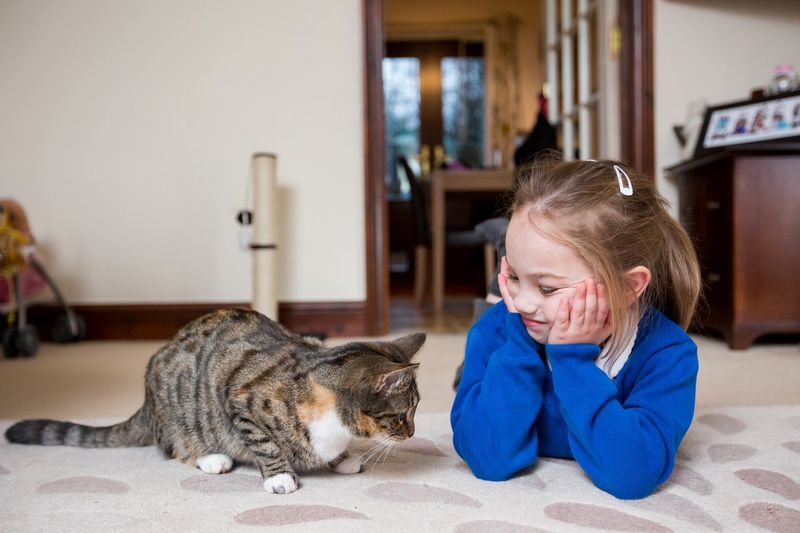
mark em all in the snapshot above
pixel 22 275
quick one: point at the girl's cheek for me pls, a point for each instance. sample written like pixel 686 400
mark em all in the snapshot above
pixel 552 308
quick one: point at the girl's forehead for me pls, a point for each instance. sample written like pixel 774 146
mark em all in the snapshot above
pixel 529 251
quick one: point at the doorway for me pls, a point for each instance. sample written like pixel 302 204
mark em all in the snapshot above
pixel 433 111
pixel 634 22
pixel 433 104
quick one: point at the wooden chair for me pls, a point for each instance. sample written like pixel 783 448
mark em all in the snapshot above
pixel 422 246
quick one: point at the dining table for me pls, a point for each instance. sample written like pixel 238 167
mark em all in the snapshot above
pixel 443 182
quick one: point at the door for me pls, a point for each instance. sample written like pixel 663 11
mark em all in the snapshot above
pixel 433 106
pixel 433 109
pixel 636 144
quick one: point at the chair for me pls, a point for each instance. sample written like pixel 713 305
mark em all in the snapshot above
pixel 422 246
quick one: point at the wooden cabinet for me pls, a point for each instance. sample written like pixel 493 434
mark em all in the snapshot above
pixel 742 210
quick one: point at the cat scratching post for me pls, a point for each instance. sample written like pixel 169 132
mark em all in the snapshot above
pixel 264 240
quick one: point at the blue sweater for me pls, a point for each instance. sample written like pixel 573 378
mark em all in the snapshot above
pixel 624 432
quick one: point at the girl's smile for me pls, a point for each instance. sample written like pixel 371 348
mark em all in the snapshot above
pixel 541 272
pixel 533 324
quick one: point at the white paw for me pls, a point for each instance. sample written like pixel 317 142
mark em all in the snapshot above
pixel 280 484
pixel 215 463
pixel 351 465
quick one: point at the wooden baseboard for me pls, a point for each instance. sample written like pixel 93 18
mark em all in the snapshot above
pixel 162 321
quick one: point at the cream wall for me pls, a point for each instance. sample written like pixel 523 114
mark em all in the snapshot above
pixel 434 12
pixel 127 129
pixel 717 51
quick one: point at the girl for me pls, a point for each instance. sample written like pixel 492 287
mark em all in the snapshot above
pixel 586 356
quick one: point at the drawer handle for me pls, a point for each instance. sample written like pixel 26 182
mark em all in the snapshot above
pixel 712 277
pixel 712 205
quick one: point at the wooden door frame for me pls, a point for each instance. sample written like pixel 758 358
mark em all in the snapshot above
pixel 636 117
pixel 376 211
pixel 637 139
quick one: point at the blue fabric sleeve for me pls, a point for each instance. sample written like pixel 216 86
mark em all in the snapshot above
pixel 494 413
pixel 628 448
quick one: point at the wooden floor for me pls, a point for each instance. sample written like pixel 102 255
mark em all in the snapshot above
pixel 404 316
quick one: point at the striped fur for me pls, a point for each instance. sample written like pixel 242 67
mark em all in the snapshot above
pixel 236 383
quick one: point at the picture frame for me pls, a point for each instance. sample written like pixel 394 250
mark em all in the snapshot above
pixel 769 118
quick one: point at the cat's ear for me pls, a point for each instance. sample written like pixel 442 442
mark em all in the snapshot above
pixel 390 375
pixel 410 344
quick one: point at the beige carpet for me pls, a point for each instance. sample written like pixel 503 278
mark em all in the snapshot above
pixel 738 470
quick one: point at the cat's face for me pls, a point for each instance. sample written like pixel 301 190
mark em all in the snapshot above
pixel 390 412
pixel 385 390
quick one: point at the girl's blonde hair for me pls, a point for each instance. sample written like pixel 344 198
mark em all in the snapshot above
pixel 581 204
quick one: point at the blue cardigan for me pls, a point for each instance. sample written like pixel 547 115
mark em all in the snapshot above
pixel 624 432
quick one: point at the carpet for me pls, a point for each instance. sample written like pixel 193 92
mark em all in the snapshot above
pixel 737 470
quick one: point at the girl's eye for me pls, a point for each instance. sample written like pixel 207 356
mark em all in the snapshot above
pixel 547 290
pixel 512 277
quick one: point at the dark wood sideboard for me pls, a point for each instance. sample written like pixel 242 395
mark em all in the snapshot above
pixel 742 209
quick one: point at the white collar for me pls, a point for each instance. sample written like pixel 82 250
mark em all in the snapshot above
pixel 621 360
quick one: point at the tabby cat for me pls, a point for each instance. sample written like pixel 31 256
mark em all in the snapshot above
pixel 235 387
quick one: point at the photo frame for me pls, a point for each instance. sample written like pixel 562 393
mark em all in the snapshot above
pixel 769 118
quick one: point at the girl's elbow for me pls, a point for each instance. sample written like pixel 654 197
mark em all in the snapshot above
pixel 494 470
pixel 629 490
pixel 488 472
pixel 633 486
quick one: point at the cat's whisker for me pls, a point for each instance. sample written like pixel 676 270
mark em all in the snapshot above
pixel 388 446
pixel 369 449
pixel 364 457
pixel 381 444
pixel 373 450
pixel 388 450
pixel 375 463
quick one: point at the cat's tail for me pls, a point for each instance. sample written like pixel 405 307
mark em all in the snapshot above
pixel 133 432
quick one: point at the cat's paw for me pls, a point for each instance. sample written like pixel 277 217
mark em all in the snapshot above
pixel 281 484
pixel 350 465
pixel 215 463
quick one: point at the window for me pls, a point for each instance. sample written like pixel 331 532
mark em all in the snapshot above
pixel 581 76
pixel 402 116
pixel 462 109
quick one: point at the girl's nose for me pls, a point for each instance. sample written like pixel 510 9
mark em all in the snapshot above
pixel 527 302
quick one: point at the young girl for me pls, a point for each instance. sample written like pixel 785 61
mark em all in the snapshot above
pixel 586 356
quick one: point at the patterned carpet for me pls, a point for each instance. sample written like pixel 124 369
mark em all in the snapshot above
pixel 738 470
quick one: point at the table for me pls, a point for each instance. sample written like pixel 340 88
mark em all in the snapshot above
pixel 443 182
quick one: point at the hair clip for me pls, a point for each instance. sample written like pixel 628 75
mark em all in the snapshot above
pixel 625 188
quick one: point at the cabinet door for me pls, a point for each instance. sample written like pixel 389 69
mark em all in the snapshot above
pixel 767 253
pixel 705 212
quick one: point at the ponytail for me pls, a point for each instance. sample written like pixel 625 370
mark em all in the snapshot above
pixel 677 285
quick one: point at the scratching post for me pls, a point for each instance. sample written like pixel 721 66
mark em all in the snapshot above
pixel 264 241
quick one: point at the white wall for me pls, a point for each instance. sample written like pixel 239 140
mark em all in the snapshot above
pixel 718 51
pixel 126 132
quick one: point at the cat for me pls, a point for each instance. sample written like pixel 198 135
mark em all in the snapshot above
pixel 236 387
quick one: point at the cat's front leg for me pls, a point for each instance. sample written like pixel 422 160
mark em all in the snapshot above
pixel 347 464
pixel 215 463
pixel 279 476
pixel 283 483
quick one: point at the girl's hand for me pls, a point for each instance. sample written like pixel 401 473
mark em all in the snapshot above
pixel 583 319
pixel 502 281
